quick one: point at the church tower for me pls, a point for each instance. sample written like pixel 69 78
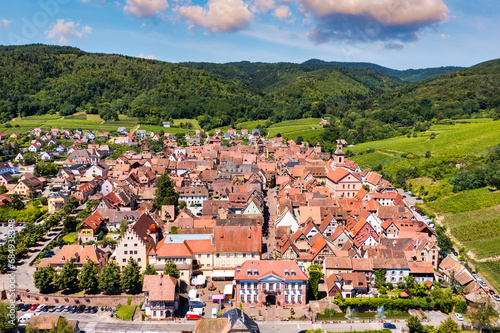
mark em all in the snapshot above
pixel 339 157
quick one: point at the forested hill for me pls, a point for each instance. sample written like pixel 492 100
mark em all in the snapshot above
pixel 470 92
pixel 363 104
pixel 408 75
pixel 39 79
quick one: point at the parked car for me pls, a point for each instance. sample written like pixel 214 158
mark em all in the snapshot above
pixel 59 308
pixel 496 298
pixel 40 308
pixel 389 326
pixel 459 316
pixel 52 308
pixel 491 291
pixel 19 306
pixel 72 309
pixel 87 309
pixel 193 315
pixel 80 308
pixel 94 309
pixel 66 308
pixel 26 307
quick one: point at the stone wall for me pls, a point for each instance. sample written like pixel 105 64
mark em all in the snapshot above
pixel 91 300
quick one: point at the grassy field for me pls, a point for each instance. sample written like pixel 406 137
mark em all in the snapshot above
pixel 462 138
pixel 29 212
pixel 87 122
pixel 71 237
pixel 125 312
pixel 467 201
pixel 308 128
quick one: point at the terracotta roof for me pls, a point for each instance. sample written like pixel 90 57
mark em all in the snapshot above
pixel 78 252
pixel 160 287
pixel 94 221
pixel 340 263
pixel 172 250
pixel 200 245
pixel 361 264
pixel 424 267
pixel 238 239
pixel 337 175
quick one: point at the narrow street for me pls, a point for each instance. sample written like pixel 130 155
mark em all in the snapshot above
pixel 271 207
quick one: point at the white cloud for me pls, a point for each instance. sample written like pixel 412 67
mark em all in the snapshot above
pixel 151 57
pixel 218 15
pixel 385 11
pixel 263 6
pixel 444 36
pixel 283 13
pixel 145 8
pixel 4 23
pixel 64 30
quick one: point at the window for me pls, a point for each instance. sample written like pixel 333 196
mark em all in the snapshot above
pixel 255 272
pixel 293 272
pixel 135 252
pixel 217 263
pixel 244 255
pixel 243 297
pixel 286 272
pixel 255 298
pixel 293 285
pixel 223 263
pixel 249 272
pixel 208 256
pixel 236 263
pixel 154 313
pixel 199 256
pixel 124 260
pixel 125 245
pixel 299 298
pixel 286 298
pixel 217 255
pixel 236 255
pixel 255 285
pixel 228 263
pixel 228 255
pixel 125 252
pixel 135 244
pixel 138 259
pixel 253 255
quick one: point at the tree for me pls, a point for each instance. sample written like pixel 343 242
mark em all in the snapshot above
pixel 150 270
pixel 16 202
pixel 315 274
pixel 5 326
pixel 448 326
pixel 171 269
pixel 70 223
pixel 131 275
pixel 63 326
pixel 165 193
pixel 483 314
pixel 379 277
pixel 67 278
pixel 414 325
pixel 428 154
pixel 109 280
pixel 3 189
pixel 44 277
pixel 123 227
pixel 87 279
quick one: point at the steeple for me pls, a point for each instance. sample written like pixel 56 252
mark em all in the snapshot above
pixel 339 154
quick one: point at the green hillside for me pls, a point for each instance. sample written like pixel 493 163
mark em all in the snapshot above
pixel 455 168
pixel 408 75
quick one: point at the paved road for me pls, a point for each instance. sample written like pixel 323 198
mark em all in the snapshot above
pixel 271 206
pixel 101 322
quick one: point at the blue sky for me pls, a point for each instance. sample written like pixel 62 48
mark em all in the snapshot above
pixel 394 33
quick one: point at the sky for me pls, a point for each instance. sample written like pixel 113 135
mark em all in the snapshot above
pixel 399 34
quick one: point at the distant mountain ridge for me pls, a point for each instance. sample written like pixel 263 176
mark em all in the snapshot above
pixel 409 75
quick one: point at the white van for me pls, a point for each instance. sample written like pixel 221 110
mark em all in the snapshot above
pixel 25 319
pixel 199 311
pixel 214 312
pixel 193 293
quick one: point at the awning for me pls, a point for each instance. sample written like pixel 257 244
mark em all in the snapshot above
pixel 218 297
pixel 221 274
pixel 228 289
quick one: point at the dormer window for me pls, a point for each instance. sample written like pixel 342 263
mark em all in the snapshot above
pixel 286 272
pixel 255 272
pixel 249 272
pixel 293 272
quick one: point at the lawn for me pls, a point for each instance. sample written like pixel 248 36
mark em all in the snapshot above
pixel 194 122
pixel 29 212
pixel 71 237
pixel 125 312
pixel 371 160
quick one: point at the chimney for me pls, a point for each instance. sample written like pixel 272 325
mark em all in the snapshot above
pixel 222 213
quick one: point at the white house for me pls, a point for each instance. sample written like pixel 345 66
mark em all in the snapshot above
pixel 34 147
